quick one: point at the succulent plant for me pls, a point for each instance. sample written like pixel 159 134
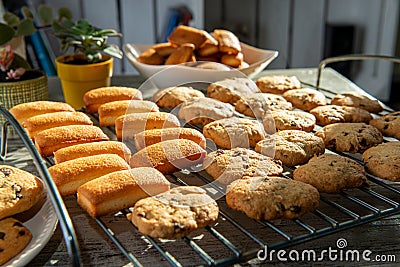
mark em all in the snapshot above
pixel 87 39
pixel 13 64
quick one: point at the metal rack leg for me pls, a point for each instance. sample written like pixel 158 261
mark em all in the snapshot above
pixel 4 135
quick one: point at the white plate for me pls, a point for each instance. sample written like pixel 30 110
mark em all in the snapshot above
pixel 42 226
pixel 257 59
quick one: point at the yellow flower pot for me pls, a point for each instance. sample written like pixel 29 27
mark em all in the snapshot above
pixel 76 80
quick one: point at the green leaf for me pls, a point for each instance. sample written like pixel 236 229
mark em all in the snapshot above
pixel 7 33
pixel 113 51
pixel 20 62
pixel 45 13
pixel 27 12
pixel 64 12
pixel 11 19
pixel 26 27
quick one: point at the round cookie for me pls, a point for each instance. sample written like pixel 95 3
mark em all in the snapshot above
pixel 234 132
pixel 172 97
pixel 305 98
pixel 332 114
pixel 331 173
pixel 226 166
pixel 288 120
pixel 203 110
pixel 14 237
pixel 20 190
pixel 231 90
pixel 350 137
pixel 359 101
pixel 175 213
pixel 255 105
pixel 292 147
pixel 277 84
pixel 383 161
pixel 269 198
pixel 388 125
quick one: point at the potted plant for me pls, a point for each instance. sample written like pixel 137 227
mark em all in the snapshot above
pixel 91 63
pixel 18 82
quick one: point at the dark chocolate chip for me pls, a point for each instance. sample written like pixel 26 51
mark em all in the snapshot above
pixel 17 224
pixel 295 209
pixel 21 233
pixel 6 171
pixel 177 226
pixel 2 235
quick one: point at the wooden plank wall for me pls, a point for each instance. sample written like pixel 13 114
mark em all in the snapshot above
pixel 297 30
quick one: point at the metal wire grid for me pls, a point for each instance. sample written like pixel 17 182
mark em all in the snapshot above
pixel 241 237
pixel 336 213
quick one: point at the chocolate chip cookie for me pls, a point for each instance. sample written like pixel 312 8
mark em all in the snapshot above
pixel 350 137
pixel 269 198
pixel 234 132
pixel 256 105
pixel 175 213
pixel 383 161
pixel 288 120
pixel 231 90
pixel 331 173
pixel 19 189
pixel 172 97
pixel 277 84
pixel 356 100
pixel 388 125
pixel 226 166
pixel 332 114
pixel 292 147
pixel 203 110
pixel 305 98
pixel 14 237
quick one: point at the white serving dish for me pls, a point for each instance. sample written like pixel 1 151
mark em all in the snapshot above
pixel 258 59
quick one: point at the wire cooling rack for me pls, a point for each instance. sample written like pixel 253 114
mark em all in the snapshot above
pixel 242 238
pixel 235 236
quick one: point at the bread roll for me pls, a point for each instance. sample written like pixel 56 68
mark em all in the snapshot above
pixel 69 175
pixel 185 34
pixel 50 140
pixel 169 156
pixel 185 53
pixel 120 190
pixel 134 123
pixel 24 111
pixel 232 60
pixel 109 112
pixel 96 97
pixel 164 49
pixel 62 118
pixel 209 47
pixel 150 137
pixel 91 149
pixel 227 41
pixel 151 57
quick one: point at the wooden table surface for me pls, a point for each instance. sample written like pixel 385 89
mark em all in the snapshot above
pixel 381 237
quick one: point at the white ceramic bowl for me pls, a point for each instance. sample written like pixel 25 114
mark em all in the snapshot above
pixel 257 59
